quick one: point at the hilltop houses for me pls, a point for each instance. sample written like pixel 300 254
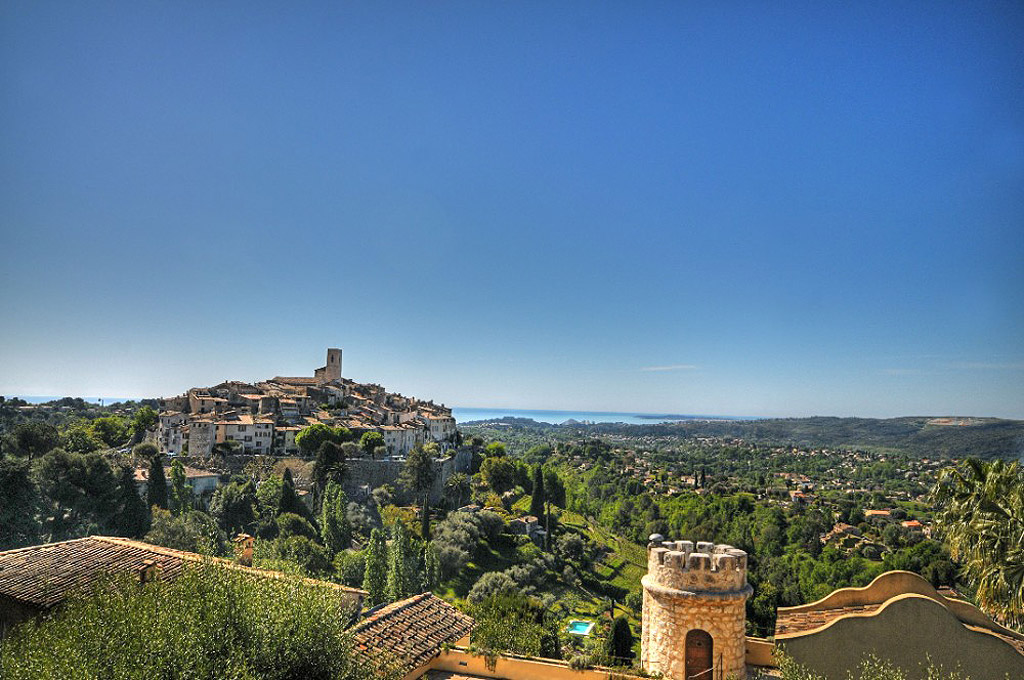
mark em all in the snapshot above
pixel 264 417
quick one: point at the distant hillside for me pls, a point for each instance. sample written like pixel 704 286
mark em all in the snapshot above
pixel 923 437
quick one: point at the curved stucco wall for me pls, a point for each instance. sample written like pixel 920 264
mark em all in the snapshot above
pixel 893 584
pixel 909 630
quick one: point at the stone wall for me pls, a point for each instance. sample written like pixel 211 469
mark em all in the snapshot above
pixel 687 588
pixel 365 472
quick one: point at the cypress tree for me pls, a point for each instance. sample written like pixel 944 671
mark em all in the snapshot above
pixel 290 501
pixel 619 647
pixel 133 515
pixel 402 564
pixel 334 525
pixel 375 571
pixel 156 486
pixel 537 500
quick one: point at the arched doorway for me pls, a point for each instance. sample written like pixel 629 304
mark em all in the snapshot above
pixel 698 655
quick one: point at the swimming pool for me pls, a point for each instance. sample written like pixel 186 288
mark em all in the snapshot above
pixel 581 627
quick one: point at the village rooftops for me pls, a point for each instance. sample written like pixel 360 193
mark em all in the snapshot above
pixel 410 632
pixel 298 380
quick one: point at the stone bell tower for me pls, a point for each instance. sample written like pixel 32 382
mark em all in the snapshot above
pixel 694 612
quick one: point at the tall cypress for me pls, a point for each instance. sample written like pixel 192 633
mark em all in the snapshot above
pixel 537 500
pixel 156 486
pixel 133 515
pixel 375 571
pixel 403 563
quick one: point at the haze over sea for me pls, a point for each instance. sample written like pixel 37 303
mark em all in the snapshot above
pixel 464 415
pixel 467 414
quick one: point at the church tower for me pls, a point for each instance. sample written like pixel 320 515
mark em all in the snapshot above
pixel 694 611
pixel 333 369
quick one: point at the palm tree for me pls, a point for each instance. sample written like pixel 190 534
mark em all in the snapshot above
pixel 456 488
pixel 981 515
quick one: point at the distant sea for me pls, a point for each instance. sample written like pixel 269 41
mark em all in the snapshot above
pixel 92 400
pixel 465 415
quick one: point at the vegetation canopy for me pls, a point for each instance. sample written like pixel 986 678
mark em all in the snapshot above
pixel 211 622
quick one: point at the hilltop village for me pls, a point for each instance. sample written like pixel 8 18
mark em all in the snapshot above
pixel 263 418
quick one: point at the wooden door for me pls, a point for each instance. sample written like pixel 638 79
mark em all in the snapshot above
pixel 698 655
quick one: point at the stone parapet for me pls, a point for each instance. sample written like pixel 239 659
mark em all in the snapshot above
pixel 704 567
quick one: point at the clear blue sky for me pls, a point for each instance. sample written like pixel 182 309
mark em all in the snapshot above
pixel 755 209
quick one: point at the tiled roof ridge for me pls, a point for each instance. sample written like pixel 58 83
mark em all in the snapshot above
pixel 40 546
pixel 393 608
pixel 185 556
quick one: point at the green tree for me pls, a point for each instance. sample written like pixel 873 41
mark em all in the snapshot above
pixel 181 495
pixel 369 443
pixel 142 420
pixel 981 514
pixel 310 439
pixel 79 439
pixel 132 514
pixel 537 499
pixel 77 493
pixel 328 467
pixel 554 489
pixel 513 623
pixel 496 449
pixel 208 623
pixel 290 524
pixel 375 574
pixel 34 439
pixel 499 473
pixel 111 430
pixel 192 531
pixel 417 477
pixel 156 485
pixel 17 509
pixel 290 501
pixel 334 525
pixel 619 646
pixel 402 580
pixel 234 506
pixel 456 489
pixel 268 502
pixel 431 567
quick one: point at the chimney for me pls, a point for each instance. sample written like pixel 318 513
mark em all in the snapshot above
pixel 244 544
pixel 149 571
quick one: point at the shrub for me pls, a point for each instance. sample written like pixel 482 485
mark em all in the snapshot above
pixel 490 584
pixel 209 623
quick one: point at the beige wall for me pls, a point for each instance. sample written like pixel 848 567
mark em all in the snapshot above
pixel 509 668
pixel 893 584
pixel 907 631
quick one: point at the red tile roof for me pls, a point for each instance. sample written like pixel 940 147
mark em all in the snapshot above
pixel 45 575
pixel 410 632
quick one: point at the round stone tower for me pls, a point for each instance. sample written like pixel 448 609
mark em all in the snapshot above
pixel 694 613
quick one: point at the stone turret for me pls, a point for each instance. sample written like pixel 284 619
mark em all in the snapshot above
pixel 694 610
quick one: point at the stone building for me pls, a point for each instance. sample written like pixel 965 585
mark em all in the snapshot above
pixel 694 610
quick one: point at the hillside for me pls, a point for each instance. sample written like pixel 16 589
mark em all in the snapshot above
pixel 986 438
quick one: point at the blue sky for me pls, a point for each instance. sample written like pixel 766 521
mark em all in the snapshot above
pixel 748 209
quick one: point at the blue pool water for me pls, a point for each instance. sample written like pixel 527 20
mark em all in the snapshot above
pixel 581 627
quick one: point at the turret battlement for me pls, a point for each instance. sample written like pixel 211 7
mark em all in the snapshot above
pixel 704 567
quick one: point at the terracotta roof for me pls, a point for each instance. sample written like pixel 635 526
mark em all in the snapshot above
pixel 295 380
pixel 45 575
pixel 797 622
pixel 411 632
